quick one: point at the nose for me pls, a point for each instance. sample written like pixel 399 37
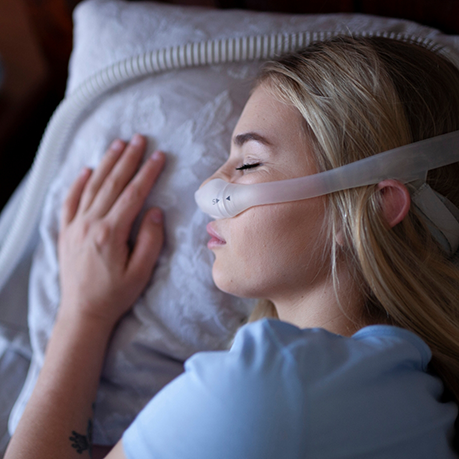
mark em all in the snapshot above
pixel 219 173
pixel 207 180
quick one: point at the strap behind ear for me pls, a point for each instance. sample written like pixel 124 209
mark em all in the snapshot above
pixel 441 216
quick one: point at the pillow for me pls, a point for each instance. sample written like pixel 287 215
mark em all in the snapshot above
pixel 190 114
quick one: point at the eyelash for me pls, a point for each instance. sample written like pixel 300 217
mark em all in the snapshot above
pixel 247 166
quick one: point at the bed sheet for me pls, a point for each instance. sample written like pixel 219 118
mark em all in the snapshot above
pixel 14 363
pixel 15 350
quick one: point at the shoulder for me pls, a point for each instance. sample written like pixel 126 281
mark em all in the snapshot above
pixel 307 383
pixel 320 351
pixel 323 366
pixel 281 391
pixel 269 354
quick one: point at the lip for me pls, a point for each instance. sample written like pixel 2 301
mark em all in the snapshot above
pixel 216 240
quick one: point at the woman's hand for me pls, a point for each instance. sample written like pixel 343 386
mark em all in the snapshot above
pixel 100 279
pixel 100 275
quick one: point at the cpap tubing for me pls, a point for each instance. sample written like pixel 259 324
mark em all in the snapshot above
pixel 410 162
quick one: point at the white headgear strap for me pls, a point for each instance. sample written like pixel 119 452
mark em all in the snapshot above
pixel 440 215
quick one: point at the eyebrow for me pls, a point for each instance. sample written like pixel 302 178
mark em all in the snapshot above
pixel 241 139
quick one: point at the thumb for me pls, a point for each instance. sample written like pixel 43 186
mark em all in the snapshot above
pixel 148 245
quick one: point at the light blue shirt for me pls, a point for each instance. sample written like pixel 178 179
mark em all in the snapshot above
pixel 282 393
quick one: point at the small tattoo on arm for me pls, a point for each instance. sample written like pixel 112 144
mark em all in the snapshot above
pixel 82 442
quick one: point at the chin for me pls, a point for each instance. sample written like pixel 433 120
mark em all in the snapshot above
pixel 233 286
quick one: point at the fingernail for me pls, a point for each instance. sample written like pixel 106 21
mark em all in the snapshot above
pixel 157 155
pixel 137 139
pixel 156 216
pixel 117 145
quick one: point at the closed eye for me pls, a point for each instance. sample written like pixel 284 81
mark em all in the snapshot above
pixel 247 166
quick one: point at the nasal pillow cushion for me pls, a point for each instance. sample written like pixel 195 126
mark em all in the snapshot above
pixel 190 115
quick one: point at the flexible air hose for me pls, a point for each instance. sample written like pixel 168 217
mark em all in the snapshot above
pixel 16 231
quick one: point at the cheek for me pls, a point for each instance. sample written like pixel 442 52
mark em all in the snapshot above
pixel 252 245
pixel 270 245
pixel 296 235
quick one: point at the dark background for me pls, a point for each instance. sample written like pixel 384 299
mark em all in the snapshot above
pixel 36 41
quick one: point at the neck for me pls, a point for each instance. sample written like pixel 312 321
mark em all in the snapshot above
pixel 339 310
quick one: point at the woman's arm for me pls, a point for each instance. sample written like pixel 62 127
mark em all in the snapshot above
pixel 100 279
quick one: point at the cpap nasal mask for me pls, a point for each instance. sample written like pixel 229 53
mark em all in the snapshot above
pixel 409 163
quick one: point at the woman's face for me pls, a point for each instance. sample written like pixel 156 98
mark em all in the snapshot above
pixel 273 251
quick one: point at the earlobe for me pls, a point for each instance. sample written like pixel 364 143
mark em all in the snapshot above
pixel 395 200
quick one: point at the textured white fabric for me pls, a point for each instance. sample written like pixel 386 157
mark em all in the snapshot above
pixel 14 361
pixel 189 114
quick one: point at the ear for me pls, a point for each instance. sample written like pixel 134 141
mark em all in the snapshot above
pixel 396 201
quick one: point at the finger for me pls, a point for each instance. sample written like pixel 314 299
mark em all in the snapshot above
pixel 148 245
pixel 70 206
pixel 110 158
pixel 119 176
pixel 131 200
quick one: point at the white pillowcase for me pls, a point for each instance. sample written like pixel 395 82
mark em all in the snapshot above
pixel 190 115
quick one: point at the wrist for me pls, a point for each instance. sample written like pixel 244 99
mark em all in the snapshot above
pixel 78 340
pixel 83 322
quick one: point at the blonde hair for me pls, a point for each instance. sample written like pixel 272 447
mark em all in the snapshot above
pixel 359 97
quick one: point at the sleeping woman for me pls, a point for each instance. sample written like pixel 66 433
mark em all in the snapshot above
pixel 353 349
